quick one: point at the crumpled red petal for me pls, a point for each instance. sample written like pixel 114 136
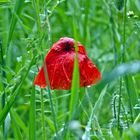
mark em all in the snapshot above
pixel 60 63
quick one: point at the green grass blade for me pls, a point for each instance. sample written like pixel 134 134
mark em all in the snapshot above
pixel 74 88
pixel 50 98
pixel 122 70
pixel 35 4
pixel 4 1
pixel 75 79
pixel 50 124
pixel 137 119
pixel 17 11
pixel 32 116
pixel 12 99
pixel 95 111
pixel 18 121
pixel 16 130
pixel 42 116
pixel 3 77
pixel 99 102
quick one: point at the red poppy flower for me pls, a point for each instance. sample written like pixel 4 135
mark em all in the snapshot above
pixel 60 63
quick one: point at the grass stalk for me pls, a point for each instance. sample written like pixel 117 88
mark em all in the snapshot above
pixel 32 116
pixel 129 99
pixel 125 116
pixel 123 60
pixel 124 32
pixel 119 104
pixel 110 13
pixel 38 22
pixel 17 11
pixel 42 116
pixel 114 106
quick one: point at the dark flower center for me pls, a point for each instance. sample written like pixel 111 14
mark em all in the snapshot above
pixel 67 47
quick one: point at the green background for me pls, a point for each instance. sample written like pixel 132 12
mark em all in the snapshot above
pixel 110 32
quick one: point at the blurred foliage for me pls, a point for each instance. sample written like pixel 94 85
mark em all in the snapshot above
pixel 28 28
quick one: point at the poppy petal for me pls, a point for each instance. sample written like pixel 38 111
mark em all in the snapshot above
pixel 40 79
pixel 89 74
